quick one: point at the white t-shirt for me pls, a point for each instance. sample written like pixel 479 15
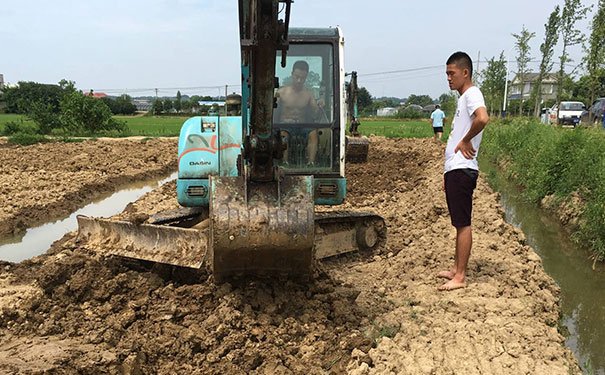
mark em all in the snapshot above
pixel 467 105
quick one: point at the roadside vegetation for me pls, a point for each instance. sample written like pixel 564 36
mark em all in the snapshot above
pixel 561 169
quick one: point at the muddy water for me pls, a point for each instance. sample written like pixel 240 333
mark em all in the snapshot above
pixel 582 288
pixel 37 240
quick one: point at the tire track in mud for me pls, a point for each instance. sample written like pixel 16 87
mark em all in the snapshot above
pixel 368 314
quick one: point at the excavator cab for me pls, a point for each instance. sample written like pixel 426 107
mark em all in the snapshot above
pixel 309 113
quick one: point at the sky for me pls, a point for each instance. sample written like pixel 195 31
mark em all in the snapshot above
pixel 135 46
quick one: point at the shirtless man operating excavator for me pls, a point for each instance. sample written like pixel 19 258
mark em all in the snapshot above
pixel 296 104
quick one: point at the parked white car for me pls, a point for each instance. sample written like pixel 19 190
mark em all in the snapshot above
pixel 569 113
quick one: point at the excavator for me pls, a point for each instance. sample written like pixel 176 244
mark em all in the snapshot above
pixel 357 146
pixel 250 186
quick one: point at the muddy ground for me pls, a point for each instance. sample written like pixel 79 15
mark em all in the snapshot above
pixel 69 311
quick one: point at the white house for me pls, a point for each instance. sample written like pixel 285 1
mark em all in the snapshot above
pixel 528 82
pixel 386 111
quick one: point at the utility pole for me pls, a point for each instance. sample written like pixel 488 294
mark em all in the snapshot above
pixel 505 90
pixel 156 94
pixel 477 70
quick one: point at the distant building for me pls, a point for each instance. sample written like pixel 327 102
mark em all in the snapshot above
pixel 143 105
pixel 97 95
pixel 210 103
pixel 527 81
pixel 386 112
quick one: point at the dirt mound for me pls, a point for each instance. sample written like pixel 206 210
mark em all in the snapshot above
pixel 50 180
pixel 73 312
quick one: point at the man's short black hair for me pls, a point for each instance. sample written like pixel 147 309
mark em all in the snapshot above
pixel 461 60
pixel 301 65
pixel 437 106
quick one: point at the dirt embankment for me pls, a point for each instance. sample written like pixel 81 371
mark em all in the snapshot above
pixel 70 312
pixel 47 181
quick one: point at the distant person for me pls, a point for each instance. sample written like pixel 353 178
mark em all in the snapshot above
pixel 296 104
pixel 437 118
pixel 461 167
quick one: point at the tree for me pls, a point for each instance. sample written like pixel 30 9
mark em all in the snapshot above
pixel 82 114
pixel 524 57
pixel 168 105
pixel 573 11
pixel 583 88
pixel 448 102
pixel 21 98
pixel 122 105
pixel 547 48
pixel 364 99
pixel 177 103
pixel 493 83
pixel 595 53
pixel 421 100
pixel 157 107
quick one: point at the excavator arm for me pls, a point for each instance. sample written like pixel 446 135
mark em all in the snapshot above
pixel 262 35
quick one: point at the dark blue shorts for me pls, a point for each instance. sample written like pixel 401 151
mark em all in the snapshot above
pixel 438 129
pixel 459 187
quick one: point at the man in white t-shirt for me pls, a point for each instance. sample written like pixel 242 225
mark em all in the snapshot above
pixel 437 118
pixel 461 168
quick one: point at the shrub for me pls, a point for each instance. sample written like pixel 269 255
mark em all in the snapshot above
pixel 26 139
pixel 410 113
pixel 14 127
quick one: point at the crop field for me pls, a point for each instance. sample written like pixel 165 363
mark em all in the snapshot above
pixel 399 128
pixel 166 126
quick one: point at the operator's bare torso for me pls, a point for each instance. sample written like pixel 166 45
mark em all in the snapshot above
pixel 296 106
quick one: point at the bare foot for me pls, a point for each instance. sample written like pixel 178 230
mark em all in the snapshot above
pixel 452 285
pixel 446 274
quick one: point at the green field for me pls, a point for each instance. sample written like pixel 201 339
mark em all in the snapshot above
pixel 8 117
pixel 153 126
pixel 165 126
pixel 399 128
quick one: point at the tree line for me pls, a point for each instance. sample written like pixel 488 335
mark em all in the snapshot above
pixel 58 110
pixel 561 30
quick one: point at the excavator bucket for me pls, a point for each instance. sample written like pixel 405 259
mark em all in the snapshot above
pixel 157 243
pixel 261 228
pixel 357 149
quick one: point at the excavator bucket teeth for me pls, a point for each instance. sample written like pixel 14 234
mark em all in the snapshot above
pixel 265 228
pixel 357 149
pixel 157 243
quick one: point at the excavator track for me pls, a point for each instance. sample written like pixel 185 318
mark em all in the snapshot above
pixel 339 232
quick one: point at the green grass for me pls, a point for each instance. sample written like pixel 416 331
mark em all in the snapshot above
pixel 558 162
pixel 9 117
pixel 153 126
pixel 399 128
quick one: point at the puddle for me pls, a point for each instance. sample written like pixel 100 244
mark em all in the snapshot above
pixel 37 240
